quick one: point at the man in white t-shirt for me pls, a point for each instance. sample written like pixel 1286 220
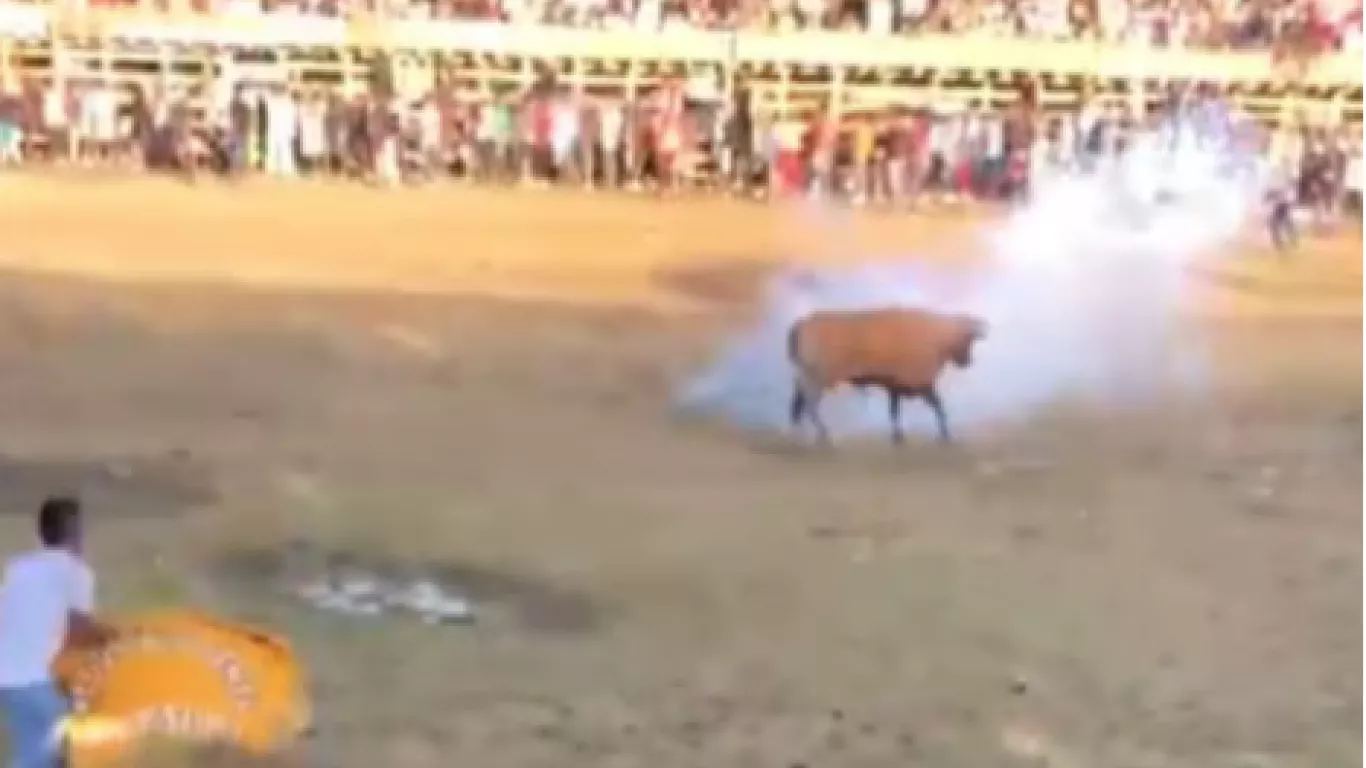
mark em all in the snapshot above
pixel 47 594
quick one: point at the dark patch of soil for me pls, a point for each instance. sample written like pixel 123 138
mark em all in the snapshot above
pixel 117 488
pixel 724 283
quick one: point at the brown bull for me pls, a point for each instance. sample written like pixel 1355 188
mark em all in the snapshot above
pixel 901 351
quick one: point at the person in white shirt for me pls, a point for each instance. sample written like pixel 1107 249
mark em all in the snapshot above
pixel 564 134
pixel 649 16
pixel 611 122
pixel 47 596
pixel 1350 149
pixel 282 128
pixel 312 117
pixel 55 122
pixel 879 21
pixel 913 11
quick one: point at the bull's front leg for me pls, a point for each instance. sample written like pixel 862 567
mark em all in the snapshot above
pixel 931 397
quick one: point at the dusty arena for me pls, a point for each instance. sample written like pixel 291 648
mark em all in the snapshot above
pixel 251 383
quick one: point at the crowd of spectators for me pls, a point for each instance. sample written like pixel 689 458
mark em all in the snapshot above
pixel 670 140
pixel 1297 29
pixel 667 142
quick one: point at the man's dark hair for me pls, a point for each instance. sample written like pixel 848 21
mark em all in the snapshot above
pixel 57 519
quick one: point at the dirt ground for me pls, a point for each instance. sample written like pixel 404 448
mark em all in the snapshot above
pixel 476 385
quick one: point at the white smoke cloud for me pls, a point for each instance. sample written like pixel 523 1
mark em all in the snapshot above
pixel 1081 289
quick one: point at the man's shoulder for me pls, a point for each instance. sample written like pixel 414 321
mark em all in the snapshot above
pixel 27 558
pixel 48 559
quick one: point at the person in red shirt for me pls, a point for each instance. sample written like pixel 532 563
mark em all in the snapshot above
pixel 915 137
pixel 668 131
pixel 1017 176
pixel 539 166
pixel 590 141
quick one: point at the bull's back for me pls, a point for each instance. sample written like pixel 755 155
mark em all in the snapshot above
pixel 878 344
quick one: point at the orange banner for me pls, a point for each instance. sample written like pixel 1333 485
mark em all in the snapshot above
pixel 182 677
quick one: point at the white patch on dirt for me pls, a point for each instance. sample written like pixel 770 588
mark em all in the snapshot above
pixel 362 594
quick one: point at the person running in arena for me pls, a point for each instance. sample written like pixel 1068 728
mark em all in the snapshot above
pixel 1281 218
pixel 47 596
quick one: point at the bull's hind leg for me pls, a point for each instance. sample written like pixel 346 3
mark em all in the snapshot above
pixel 931 398
pixel 894 414
pixel 798 408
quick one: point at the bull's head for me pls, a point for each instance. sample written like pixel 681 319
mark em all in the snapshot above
pixel 972 330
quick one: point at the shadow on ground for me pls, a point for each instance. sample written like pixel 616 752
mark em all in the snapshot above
pixel 1275 285
pixel 119 488
pixel 719 283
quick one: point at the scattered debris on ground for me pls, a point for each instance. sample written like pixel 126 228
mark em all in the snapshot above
pixel 363 594
pixel 345 581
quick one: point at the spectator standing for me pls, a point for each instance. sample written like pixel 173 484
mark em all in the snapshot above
pixel 493 138
pixel 812 13
pixel 790 174
pixel 386 129
pixel 84 130
pixel 737 140
pixel 564 136
pixel 430 141
pixel 48 595
pixel 666 131
pixel 912 14
pixel 360 140
pixel 881 17
pixel 611 131
pixel 540 119
pixel 106 120
pixel 649 16
pixel 938 152
pixel 1043 158
pixel 891 158
pixel 1351 181
pixel 336 118
pixel 240 130
pixel 56 125
pixel 822 137
pixel 590 140
pixel 993 165
pixel 11 126
pixel 282 130
pixel 312 133
pixel 1281 218
pixel 260 135
pixel 862 145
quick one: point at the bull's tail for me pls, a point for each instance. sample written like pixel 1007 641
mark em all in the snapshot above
pixel 797 408
pixel 802 401
pixel 794 356
pixel 794 344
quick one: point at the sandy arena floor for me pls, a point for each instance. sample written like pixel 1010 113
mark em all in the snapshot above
pixel 479 383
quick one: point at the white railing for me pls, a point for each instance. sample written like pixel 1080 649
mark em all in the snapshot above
pixel 806 48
